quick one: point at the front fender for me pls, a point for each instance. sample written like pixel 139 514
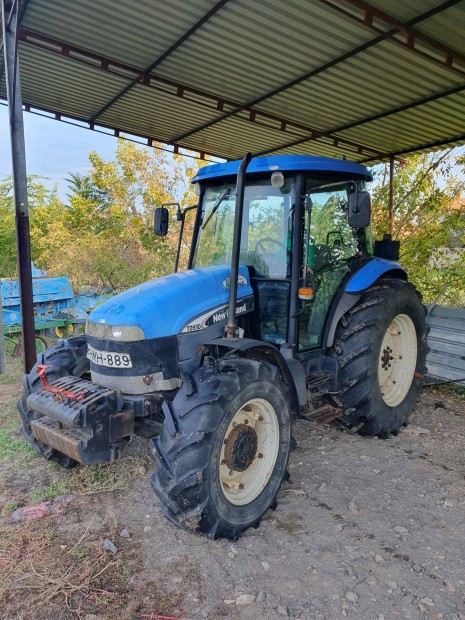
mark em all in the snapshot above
pixel 291 368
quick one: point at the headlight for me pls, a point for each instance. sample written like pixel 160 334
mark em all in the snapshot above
pixel 120 333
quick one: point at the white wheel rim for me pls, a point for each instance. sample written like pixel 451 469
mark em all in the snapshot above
pixel 252 439
pixel 397 360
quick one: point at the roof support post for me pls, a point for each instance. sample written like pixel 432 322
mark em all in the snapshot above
pixel 2 339
pixel 391 193
pixel 10 15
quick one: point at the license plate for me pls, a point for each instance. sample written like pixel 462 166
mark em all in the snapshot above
pixel 109 359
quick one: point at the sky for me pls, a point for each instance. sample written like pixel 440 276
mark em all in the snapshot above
pixel 53 149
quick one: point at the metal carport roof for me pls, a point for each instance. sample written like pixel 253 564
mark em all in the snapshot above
pixel 343 78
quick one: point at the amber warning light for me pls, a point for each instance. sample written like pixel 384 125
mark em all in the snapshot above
pixel 306 293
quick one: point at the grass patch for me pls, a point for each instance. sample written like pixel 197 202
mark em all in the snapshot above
pixel 11 444
pixel 49 491
pixel 48 576
pixel 450 389
pixel 105 478
pixel 89 479
pixel 14 372
pixel 10 506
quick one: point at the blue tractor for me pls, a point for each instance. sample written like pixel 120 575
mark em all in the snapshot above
pixel 287 309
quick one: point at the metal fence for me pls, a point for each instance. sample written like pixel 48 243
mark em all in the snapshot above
pixel 446 340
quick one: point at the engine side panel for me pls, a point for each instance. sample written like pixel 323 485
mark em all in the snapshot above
pixel 163 307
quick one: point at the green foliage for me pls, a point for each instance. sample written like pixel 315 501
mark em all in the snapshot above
pixel 428 221
pixel 102 236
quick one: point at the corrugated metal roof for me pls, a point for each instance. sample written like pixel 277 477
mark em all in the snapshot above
pixel 344 78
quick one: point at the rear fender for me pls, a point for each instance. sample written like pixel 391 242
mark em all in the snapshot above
pixel 368 273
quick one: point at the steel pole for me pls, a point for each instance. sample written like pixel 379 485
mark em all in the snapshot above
pixel 391 193
pixel 10 12
pixel 2 338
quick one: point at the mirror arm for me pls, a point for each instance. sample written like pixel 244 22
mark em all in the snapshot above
pixel 181 217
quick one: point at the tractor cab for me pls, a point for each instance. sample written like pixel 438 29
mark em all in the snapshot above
pixel 297 234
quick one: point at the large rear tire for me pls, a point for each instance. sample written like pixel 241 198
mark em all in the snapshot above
pixel 223 451
pixel 381 348
pixel 66 357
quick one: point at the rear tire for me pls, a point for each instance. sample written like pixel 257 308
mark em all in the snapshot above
pixel 223 451
pixel 66 357
pixel 380 345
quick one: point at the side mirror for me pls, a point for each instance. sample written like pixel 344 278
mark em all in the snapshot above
pixel 359 207
pixel 160 226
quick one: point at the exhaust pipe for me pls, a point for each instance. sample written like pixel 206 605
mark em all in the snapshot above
pixel 231 330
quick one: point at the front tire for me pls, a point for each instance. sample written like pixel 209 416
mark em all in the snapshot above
pixel 223 451
pixel 380 345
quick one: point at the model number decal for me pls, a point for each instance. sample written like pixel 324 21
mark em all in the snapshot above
pixel 217 315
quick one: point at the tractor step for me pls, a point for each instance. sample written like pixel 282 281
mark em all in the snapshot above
pixel 317 382
pixel 323 414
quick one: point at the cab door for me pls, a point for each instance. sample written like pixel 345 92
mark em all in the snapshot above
pixel 329 247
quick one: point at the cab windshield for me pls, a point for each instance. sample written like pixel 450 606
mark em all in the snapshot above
pixel 266 227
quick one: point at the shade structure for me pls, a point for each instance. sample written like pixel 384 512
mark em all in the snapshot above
pixel 341 78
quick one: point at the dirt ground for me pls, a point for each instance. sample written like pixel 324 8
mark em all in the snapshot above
pixel 365 528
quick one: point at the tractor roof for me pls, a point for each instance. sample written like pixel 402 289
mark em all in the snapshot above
pixel 290 163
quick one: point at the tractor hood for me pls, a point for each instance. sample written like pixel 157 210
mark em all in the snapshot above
pixel 163 307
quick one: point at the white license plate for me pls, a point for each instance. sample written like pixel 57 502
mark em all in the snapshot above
pixel 109 359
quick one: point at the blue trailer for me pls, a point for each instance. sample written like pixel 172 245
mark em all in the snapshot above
pixel 56 308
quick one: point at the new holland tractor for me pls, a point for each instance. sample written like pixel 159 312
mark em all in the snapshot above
pixel 286 309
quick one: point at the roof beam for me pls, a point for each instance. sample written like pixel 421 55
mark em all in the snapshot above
pixel 369 119
pixel 310 74
pixel 368 13
pixel 423 147
pixel 175 89
pixel 219 5
pixel 69 119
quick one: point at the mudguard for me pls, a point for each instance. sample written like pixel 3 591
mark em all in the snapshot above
pixel 291 368
pixel 370 271
pixel 362 279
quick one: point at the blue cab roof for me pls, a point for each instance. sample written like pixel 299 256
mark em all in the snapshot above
pixel 294 163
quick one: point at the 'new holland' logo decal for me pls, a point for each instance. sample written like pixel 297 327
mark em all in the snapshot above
pixel 217 315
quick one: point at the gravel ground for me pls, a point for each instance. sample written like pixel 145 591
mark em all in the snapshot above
pixel 364 529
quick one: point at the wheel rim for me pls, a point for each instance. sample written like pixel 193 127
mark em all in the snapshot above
pixel 249 451
pixel 397 360
pixel 63 331
pixel 41 344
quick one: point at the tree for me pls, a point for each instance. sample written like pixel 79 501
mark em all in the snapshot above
pixel 102 235
pixel 40 197
pixel 427 221
pixel 109 218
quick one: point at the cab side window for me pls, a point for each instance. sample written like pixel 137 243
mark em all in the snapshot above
pixel 332 243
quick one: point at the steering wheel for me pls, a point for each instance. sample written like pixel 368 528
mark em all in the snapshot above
pixel 259 245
